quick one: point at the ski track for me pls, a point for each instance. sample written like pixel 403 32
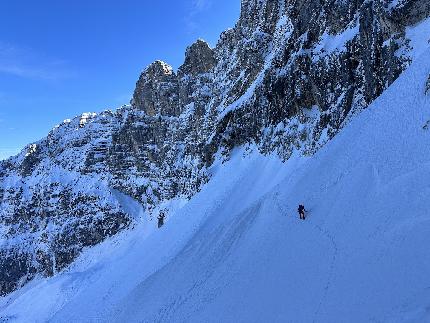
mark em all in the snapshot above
pixel 324 232
pixel 331 272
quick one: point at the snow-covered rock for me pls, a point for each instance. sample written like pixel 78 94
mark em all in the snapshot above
pixel 237 251
pixel 285 80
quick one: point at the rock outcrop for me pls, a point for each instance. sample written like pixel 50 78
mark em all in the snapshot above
pixel 157 91
pixel 285 79
pixel 199 59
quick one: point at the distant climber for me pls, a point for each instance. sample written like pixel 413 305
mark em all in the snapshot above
pixel 161 217
pixel 301 210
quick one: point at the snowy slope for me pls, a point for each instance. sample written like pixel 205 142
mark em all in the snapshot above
pixel 237 252
pixel 287 78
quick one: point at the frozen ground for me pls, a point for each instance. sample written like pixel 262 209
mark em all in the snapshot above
pixel 237 252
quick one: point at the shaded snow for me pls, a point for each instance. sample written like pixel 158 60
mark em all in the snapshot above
pixel 396 4
pixel 238 253
pixel 419 36
pixel 335 43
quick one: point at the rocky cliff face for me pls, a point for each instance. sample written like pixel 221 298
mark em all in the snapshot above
pixel 285 79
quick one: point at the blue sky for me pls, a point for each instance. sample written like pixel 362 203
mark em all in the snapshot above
pixel 61 58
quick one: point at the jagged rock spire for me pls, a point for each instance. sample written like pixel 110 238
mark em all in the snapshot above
pixel 199 58
pixel 156 91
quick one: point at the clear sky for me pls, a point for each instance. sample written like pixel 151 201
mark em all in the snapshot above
pixel 61 58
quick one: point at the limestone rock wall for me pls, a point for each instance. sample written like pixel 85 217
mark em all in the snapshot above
pixel 287 77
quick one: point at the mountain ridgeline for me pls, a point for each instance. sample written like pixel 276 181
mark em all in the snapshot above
pixel 284 80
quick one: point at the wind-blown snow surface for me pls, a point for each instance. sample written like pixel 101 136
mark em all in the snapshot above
pixel 238 253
